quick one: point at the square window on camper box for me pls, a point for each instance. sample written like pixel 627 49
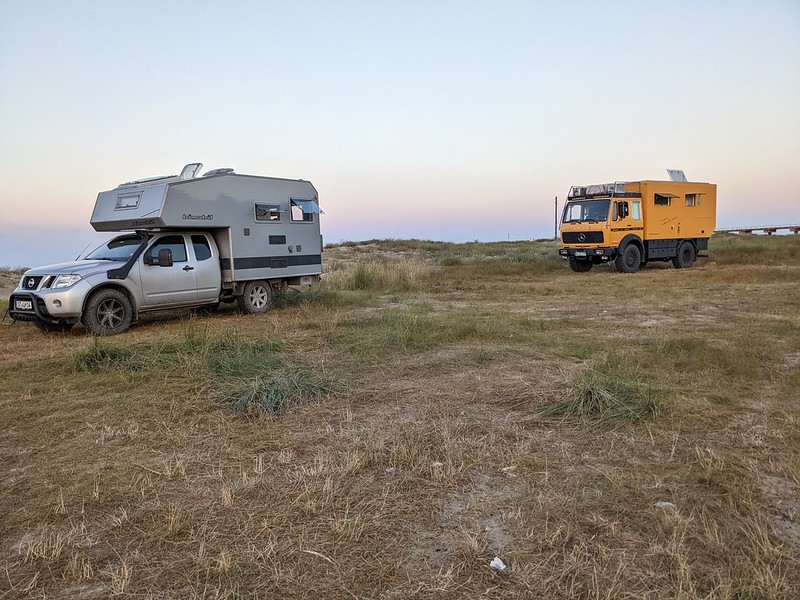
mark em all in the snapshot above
pixel 127 201
pixel 662 200
pixel 691 199
pixel 268 212
pixel 304 210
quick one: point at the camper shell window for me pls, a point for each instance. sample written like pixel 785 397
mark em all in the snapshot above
pixel 304 210
pixel 268 212
pixel 691 199
pixel 127 201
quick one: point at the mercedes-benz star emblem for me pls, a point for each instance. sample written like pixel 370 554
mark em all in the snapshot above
pixel 581 237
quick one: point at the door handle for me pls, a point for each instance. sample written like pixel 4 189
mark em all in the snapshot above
pixel 188 268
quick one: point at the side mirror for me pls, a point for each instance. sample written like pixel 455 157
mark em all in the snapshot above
pixel 165 257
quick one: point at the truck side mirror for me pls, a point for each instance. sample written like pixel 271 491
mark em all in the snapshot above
pixel 623 210
pixel 165 257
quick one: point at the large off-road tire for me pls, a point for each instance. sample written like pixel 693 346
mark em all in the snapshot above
pixel 108 312
pixel 53 327
pixel 686 256
pixel 256 299
pixel 580 266
pixel 629 259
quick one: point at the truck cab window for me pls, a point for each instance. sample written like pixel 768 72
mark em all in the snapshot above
pixel 636 210
pixel 202 249
pixel 174 243
pixel 620 210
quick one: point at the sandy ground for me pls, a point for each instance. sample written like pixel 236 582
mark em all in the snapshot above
pixel 8 281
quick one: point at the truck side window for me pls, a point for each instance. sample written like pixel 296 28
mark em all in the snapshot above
pixel 621 209
pixel 636 211
pixel 202 249
pixel 691 199
pixel 174 243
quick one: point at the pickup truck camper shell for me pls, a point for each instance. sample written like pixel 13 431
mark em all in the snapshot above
pixel 264 227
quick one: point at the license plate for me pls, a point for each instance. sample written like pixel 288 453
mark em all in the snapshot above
pixel 580 253
pixel 23 304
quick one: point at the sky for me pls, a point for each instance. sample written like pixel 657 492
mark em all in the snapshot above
pixel 442 120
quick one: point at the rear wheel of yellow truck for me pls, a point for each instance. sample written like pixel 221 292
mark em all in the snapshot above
pixel 629 259
pixel 686 256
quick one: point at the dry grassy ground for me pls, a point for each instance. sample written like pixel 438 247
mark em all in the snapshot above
pixel 428 408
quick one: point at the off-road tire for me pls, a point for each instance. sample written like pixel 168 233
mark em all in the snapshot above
pixel 580 266
pixel 108 312
pixel 256 297
pixel 629 259
pixel 685 257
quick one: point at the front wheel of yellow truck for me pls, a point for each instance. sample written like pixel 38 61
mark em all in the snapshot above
pixel 629 259
pixel 580 266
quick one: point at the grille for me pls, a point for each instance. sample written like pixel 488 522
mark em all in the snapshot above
pixel 589 237
pixel 32 282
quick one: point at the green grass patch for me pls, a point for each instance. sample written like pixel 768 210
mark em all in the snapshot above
pixel 269 396
pixel 606 394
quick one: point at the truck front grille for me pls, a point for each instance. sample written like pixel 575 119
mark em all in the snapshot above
pixel 582 237
pixel 31 282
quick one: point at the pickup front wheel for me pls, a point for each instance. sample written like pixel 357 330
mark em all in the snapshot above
pixel 256 299
pixel 108 312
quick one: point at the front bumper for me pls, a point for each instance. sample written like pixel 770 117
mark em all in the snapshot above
pixel 596 254
pixel 48 306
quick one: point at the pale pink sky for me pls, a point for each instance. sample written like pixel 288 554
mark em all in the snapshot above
pixel 454 120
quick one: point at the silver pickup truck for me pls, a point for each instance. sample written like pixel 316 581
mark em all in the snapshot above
pixel 192 242
pixel 131 274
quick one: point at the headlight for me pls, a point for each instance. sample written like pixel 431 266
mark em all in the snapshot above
pixel 64 281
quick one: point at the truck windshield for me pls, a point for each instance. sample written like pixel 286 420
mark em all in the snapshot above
pixel 119 249
pixel 586 210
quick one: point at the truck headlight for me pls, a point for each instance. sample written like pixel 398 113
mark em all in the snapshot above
pixel 64 281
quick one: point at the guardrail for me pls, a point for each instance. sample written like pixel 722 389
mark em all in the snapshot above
pixel 768 229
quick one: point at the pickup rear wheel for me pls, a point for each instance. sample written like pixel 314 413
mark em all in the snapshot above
pixel 629 259
pixel 108 312
pixel 686 256
pixel 257 297
pixel 580 266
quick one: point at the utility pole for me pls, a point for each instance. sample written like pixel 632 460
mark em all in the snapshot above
pixel 555 221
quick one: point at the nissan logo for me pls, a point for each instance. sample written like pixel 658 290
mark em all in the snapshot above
pixel 581 237
pixel 31 282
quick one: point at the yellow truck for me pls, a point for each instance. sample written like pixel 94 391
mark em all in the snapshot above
pixel 635 222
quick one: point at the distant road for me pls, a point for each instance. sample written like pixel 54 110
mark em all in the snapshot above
pixel 768 229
